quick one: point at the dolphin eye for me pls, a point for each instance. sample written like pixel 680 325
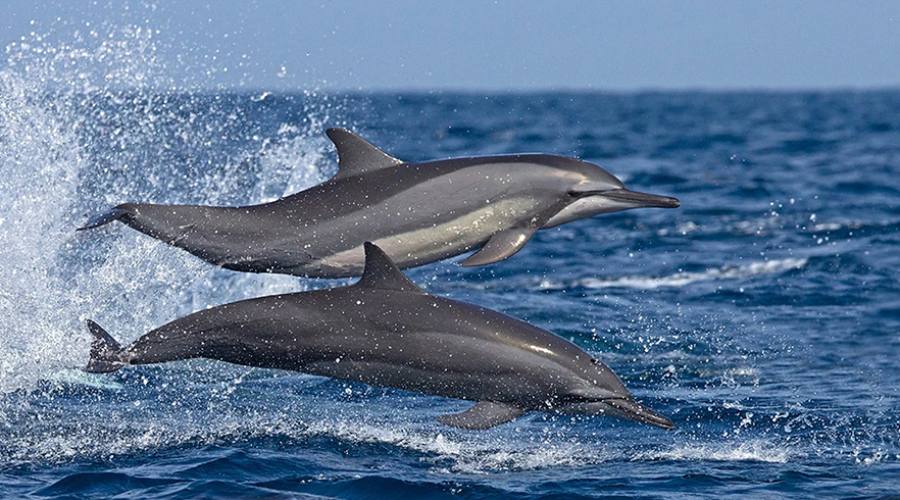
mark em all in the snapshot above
pixel 595 361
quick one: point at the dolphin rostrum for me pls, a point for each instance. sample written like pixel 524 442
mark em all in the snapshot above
pixel 417 212
pixel 386 331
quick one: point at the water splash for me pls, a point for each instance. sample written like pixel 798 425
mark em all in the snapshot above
pixel 83 126
pixel 681 279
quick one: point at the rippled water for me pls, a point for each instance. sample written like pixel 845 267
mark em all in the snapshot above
pixel 762 316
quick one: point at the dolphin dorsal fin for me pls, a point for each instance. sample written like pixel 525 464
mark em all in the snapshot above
pixel 381 272
pixel 356 156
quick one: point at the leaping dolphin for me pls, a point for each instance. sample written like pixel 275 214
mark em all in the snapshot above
pixel 386 331
pixel 417 212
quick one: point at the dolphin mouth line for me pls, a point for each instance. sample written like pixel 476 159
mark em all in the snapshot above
pixel 635 198
pixel 638 412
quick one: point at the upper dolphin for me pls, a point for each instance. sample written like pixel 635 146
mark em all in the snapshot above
pixel 386 331
pixel 417 212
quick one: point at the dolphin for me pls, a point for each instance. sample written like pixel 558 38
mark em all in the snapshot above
pixel 417 212
pixel 386 331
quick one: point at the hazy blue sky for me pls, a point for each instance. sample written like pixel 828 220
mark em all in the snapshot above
pixel 523 44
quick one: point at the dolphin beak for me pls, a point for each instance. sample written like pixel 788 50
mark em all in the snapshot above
pixel 632 410
pixel 640 200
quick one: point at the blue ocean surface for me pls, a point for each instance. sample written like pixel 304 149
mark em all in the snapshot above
pixel 763 316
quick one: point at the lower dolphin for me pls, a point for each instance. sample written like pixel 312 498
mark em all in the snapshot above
pixel 386 331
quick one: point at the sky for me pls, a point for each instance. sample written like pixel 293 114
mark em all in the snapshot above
pixel 498 45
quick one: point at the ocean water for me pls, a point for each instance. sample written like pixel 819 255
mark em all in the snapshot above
pixel 763 316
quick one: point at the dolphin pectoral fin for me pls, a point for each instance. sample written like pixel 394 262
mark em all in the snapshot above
pixel 501 245
pixel 484 415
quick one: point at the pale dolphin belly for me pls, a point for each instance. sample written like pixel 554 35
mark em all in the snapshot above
pixel 438 241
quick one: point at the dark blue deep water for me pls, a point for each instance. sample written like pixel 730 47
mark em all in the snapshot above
pixel 763 316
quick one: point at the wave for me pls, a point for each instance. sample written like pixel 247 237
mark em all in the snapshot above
pixel 445 450
pixel 455 451
pixel 682 279
pixel 78 377
pixel 743 451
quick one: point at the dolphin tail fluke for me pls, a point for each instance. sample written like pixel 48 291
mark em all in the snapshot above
pixel 106 353
pixel 101 219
